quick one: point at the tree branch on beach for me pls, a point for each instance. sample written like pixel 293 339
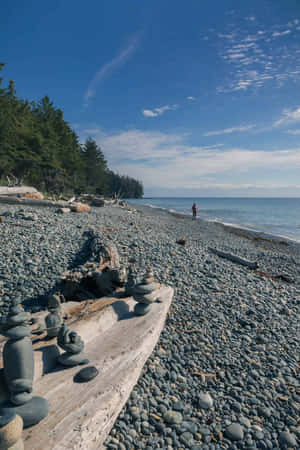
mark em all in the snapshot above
pixel 234 258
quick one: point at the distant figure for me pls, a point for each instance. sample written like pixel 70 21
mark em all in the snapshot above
pixel 194 209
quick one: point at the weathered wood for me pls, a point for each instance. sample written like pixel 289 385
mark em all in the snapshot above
pixel 118 343
pixel 10 199
pixel 15 190
pixel 234 258
pixel 101 275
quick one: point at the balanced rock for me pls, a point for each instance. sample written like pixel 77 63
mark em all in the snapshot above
pixel 31 412
pixel 141 309
pixel 129 286
pixel 145 293
pixel 53 320
pixel 73 345
pixel 18 369
pixel 18 358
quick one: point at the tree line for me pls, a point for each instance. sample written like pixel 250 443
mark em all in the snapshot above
pixel 38 147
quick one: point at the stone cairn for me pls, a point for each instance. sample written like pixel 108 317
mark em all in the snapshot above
pixel 53 320
pixel 18 367
pixel 11 427
pixel 129 286
pixel 145 293
pixel 73 345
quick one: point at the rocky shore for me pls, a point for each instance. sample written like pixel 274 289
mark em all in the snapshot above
pixel 225 371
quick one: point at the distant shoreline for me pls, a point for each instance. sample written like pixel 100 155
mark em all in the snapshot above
pixel 231 228
pixel 248 231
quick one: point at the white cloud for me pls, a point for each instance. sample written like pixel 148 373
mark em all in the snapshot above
pixel 294 132
pixel 288 116
pixel 191 98
pixel 149 113
pixel 282 33
pixel 235 55
pixel 229 130
pixel 115 63
pixel 163 160
pixel 158 111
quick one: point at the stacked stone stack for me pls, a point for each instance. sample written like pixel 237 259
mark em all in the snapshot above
pixel 18 367
pixel 129 286
pixel 53 320
pixel 73 345
pixel 145 293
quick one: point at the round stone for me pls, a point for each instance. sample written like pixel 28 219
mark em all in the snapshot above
pixel 31 412
pixel 205 400
pixel 172 417
pixel 17 332
pixel 143 288
pixel 70 359
pixel 17 318
pixel 287 439
pixel 244 421
pixel 145 298
pixel 234 432
pixel 19 398
pixel 11 431
pixel 87 374
pixel 141 309
pixel 187 438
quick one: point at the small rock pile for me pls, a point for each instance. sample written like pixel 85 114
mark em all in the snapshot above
pixel 145 293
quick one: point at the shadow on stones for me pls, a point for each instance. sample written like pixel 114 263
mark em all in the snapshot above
pixel 121 308
pixel 49 357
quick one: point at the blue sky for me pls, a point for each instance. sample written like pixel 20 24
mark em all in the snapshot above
pixel 195 98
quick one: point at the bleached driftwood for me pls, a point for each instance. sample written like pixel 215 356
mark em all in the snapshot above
pixel 101 275
pixel 234 258
pixel 32 202
pixel 15 190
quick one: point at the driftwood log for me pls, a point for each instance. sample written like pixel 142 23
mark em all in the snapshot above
pixel 100 276
pixel 13 200
pixel 15 190
pixel 234 258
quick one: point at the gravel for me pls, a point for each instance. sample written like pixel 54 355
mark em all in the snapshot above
pixel 231 339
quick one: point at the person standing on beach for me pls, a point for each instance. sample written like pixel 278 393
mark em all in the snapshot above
pixel 194 209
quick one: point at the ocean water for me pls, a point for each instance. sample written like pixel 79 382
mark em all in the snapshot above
pixel 276 216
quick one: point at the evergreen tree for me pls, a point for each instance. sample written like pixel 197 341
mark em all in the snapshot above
pixel 39 147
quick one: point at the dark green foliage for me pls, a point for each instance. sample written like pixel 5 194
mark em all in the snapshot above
pixel 38 147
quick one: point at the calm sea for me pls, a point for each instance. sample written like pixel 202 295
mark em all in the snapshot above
pixel 277 216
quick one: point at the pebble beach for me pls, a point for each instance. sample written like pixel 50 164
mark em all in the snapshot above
pixel 225 371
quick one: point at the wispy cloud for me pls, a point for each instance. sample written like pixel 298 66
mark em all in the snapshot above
pixel 282 33
pixel 114 64
pixel 229 130
pixel 158 111
pixel 288 117
pixel 190 97
pixel 262 56
pixel 294 132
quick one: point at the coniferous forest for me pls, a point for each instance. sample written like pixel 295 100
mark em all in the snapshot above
pixel 38 147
